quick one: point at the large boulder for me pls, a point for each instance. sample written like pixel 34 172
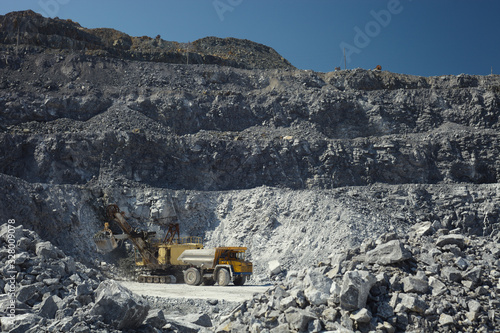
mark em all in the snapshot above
pixel 389 253
pixel 118 305
pixel 317 287
pixel 356 286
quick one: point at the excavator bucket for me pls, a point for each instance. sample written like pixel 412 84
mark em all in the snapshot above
pixel 105 241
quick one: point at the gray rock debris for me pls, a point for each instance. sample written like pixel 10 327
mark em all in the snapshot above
pixel 58 294
pixel 419 290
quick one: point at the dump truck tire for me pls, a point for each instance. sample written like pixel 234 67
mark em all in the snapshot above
pixel 223 277
pixel 192 276
pixel 239 280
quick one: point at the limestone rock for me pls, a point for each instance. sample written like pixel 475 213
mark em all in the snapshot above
pixel 200 319
pixel 451 274
pixel 316 297
pixel 274 267
pixel 47 250
pixel 287 302
pixel 356 286
pixel 422 228
pixel 83 289
pixel 28 292
pixel 412 303
pixel 388 253
pixel 318 287
pixel 474 306
pixel 454 239
pixel 415 285
pixel 473 274
pixel 20 323
pixel 49 306
pixel 118 305
pixel 384 310
pixel 445 319
pixel 361 316
pixel 299 319
pixel 438 287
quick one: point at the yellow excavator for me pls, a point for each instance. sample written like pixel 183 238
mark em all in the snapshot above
pixel 175 257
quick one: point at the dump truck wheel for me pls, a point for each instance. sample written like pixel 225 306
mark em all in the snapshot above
pixel 192 276
pixel 239 280
pixel 223 277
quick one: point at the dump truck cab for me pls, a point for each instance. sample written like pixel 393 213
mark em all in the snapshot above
pixel 233 259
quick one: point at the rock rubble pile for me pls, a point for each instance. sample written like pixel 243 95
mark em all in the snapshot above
pixel 45 290
pixel 430 280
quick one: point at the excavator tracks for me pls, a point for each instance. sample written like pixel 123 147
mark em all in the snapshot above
pixel 156 279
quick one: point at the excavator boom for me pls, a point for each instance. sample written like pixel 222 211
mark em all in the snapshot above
pixel 106 241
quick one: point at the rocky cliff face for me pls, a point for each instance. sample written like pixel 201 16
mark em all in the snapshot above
pixel 221 128
pixel 269 158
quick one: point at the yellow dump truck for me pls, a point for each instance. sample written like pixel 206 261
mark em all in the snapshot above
pixel 175 258
pixel 220 264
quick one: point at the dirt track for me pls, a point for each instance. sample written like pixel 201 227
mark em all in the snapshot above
pixel 229 293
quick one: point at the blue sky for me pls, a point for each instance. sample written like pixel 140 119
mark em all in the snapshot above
pixel 420 37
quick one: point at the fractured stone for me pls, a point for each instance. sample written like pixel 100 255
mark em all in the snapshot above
pixel 445 319
pixel 412 303
pixel 361 316
pixel 356 286
pixel 299 319
pixel 415 285
pixel 453 239
pixel 118 305
pixel 388 253
pixel 451 274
